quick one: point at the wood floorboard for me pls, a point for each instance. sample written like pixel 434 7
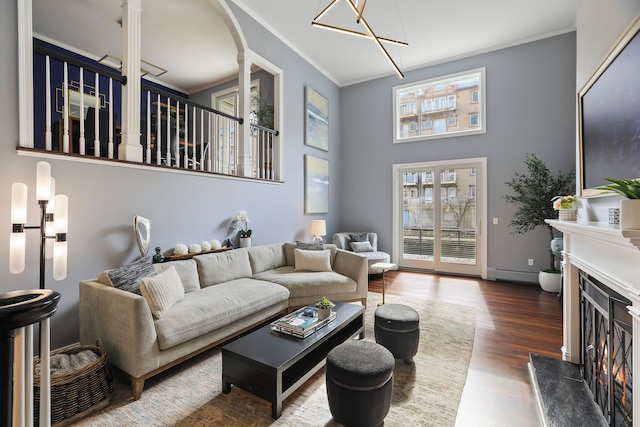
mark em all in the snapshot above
pixel 512 320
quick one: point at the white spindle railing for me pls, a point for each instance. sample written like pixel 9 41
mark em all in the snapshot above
pixel 177 134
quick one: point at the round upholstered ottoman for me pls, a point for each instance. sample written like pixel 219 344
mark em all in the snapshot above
pixel 397 327
pixel 359 383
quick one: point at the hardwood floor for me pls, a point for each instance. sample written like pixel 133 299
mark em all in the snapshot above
pixel 512 320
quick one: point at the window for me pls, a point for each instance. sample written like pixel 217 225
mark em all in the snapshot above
pixel 446 106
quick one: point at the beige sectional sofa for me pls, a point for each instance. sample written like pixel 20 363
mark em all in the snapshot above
pixel 212 298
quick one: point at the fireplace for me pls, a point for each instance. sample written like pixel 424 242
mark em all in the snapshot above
pixel 607 348
pixel 601 313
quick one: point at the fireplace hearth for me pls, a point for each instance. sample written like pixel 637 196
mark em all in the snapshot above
pixel 607 344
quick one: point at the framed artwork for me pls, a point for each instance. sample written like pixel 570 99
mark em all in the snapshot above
pixel 316 120
pixel 608 117
pixel 316 185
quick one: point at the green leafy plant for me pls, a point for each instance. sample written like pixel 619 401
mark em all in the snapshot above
pixel 629 188
pixel 533 192
pixel 324 303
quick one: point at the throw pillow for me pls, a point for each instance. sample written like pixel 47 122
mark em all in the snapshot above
pixel 316 245
pixel 128 277
pixel 312 260
pixel 359 237
pixel 162 291
pixel 361 247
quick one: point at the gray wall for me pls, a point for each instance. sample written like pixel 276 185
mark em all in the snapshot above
pixel 530 92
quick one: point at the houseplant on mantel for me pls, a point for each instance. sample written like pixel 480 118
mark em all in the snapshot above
pixel 630 205
pixel 533 194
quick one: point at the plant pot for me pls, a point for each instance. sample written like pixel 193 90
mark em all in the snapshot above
pixel 323 313
pixel 630 214
pixel 550 282
pixel 568 214
pixel 244 242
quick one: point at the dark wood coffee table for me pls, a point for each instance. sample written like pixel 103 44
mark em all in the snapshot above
pixel 272 365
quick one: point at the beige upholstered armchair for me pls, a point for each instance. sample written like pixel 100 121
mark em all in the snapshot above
pixel 364 243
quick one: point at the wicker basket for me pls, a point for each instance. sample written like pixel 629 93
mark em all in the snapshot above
pixel 78 393
pixel 567 214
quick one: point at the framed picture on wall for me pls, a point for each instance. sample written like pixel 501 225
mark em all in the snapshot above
pixel 316 120
pixel 316 185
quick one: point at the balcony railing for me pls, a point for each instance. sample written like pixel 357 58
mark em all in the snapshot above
pixel 78 112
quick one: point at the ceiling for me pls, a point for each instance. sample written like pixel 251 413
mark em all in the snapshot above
pixel 202 52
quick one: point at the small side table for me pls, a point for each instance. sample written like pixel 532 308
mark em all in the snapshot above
pixel 384 267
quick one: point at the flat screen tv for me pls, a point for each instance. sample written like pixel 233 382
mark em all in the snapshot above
pixel 609 116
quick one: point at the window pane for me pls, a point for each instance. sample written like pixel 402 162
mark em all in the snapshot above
pixel 447 105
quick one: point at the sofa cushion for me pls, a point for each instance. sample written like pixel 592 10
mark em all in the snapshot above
pixel 222 267
pixel 266 257
pixel 162 291
pixel 312 260
pixel 316 245
pixel 289 256
pixel 308 283
pixel 128 277
pixel 359 237
pixel 187 269
pixel 359 247
pixel 212 308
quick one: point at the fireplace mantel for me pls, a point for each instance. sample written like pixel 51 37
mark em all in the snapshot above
pixel 612 256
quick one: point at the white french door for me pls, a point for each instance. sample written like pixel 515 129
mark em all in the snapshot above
pixel 439 216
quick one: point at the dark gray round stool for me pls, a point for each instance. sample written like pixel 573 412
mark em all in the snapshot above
pixel 359 383
pixel 397 327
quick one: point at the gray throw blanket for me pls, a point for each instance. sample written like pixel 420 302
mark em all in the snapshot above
pixel 65 363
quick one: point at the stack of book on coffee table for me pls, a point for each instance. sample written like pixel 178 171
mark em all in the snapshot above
pixel 301 323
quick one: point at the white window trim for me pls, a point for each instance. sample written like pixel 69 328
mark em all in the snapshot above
pixel 482 127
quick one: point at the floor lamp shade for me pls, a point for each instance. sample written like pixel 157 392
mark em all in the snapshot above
pixel 43 181
pixel 61 224
pixel 18 219
pixel 49 226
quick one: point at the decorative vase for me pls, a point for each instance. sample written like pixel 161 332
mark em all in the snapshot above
pixel 323 313
pixel 245 242
pixel 557 245
pixel 568 214
pixel 550 282
pixel 630 214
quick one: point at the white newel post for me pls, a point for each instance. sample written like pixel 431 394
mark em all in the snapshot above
pixel 244 103
pixel 130 147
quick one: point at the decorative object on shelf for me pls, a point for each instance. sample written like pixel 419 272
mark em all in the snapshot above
pixel 630 205
pixel 241 223
pixel 141 224
pixel 228 244
pixel 205 246
pixel 324 308
pixel 215 244
pixel 533 191
pixel 194 248
pixel 158 257
pixel 614 216
pixel 358 11
pixel 54 223
pixel 567 207
pixel 180 249
pixel 244 242
pixel 318 229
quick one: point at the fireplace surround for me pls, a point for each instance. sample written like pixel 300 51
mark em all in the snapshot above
pixel 602 257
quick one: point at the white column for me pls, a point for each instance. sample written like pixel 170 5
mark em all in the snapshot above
pixel 570 306
pixel 130 148
pixel 635 313
pixel 25 72
pixel 244 166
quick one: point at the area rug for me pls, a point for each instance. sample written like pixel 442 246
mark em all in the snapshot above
pixel 425 393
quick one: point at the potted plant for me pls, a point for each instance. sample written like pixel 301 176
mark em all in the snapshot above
pixel 567 206
pixel 630 204
pixel 324 308
pixel 533 193
pixel 241 223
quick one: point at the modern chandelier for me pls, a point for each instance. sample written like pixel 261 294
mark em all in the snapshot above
pixel 360 19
